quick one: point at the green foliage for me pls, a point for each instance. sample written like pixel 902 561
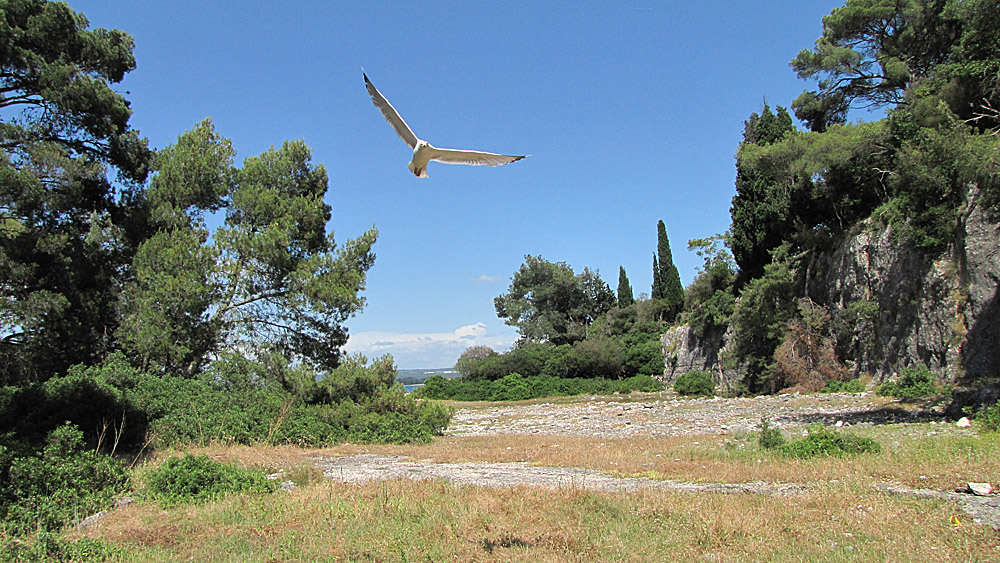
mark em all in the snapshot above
pixel 271 276
pixel 760 321
pixel 878 52
pixel 643 354
pixel 989 418
pixel 47 547
pixel 471 358
pixel 836 386
pixel 914 382
pixel 64 483
pixel 695 382
pixel 198 479
pixel 666 279
pixel 547 302
pixel 709 300
pixel 517 387
pixel 804 189
pixel 67 231
pixel 624 289
pixel 770 438
pixel 825 442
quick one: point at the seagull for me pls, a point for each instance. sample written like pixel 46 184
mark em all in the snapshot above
pixel 424 152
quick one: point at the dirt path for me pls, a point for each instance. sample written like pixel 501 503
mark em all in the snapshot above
pixel 625 417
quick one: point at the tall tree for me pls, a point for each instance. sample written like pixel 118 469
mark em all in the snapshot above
pixel 889 52
pixel 269 279
pixel 761 206
pixel 66 232
pixel 624 289
pixel 546 301
pixel 667 280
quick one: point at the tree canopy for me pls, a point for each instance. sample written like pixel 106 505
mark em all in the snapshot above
pixel 66 232
pixel 269 278
pixel 882 52
pixel 547 301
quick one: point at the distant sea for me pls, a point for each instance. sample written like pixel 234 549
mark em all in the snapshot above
pixel 413 378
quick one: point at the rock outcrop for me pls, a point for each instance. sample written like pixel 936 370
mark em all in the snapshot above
pixel 906 307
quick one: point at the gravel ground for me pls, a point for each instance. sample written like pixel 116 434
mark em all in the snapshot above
pixel 674 416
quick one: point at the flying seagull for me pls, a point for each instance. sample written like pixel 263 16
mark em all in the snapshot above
pixel 424 152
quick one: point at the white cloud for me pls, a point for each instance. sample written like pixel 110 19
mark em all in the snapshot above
pixel 427 350
pixel 484 279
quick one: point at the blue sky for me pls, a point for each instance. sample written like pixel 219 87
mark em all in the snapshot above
pixel 632 112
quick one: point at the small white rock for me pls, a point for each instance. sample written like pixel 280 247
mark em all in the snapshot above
pixel 981 489
pixel 840 424
pixel 963 422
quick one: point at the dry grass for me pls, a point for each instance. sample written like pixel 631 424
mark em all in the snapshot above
pixel 434 521
pixel 841 517
pixel 910 457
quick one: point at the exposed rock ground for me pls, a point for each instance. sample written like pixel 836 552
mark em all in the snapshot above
pixel 669 415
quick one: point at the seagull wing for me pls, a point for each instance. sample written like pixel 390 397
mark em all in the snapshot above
pixel 390 114
pixel 475 158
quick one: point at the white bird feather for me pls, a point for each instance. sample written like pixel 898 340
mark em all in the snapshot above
pixel 424 152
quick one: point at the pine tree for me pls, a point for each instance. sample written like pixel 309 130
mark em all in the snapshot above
pixel 666 279
pixel 624 289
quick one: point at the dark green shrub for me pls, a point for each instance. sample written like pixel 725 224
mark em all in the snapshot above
pixel 824 442
pixel 65 483
pixel 914 382
pixel 835 386
pixel 197 478
pixel 643 354
pixel 695 382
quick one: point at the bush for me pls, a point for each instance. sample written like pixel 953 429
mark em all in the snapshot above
pixel 63 484
pixel 915 382
pixel 770 438
pixel 989 418
pixel 824 442
pixel 197 478
pixel 695 382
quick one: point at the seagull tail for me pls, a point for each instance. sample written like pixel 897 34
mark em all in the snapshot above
pixel 418 172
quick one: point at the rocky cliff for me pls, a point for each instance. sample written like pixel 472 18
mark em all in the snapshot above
pixel 906 307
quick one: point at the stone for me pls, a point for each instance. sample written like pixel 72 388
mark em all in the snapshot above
pixel 981 489
pixel 963 422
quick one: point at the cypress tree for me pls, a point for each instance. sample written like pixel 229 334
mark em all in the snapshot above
pixel 657 290
pixel 624 289
pixel 666 279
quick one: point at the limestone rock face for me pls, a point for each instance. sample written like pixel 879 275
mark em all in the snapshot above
pixel 902 307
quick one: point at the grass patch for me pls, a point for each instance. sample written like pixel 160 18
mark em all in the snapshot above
pixel 434 521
